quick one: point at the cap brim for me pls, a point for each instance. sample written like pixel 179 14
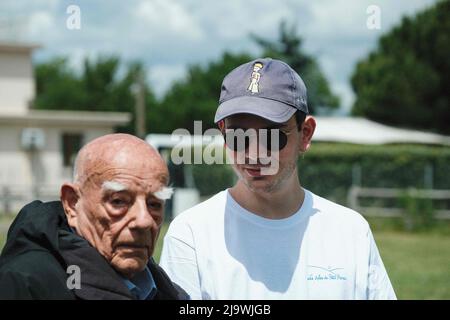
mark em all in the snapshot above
pixel 266 108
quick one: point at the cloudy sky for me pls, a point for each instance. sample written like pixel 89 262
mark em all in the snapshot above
pixel 168 35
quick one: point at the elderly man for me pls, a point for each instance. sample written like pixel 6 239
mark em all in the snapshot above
pixel 97 242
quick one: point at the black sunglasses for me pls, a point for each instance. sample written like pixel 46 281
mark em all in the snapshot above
pixel 239 140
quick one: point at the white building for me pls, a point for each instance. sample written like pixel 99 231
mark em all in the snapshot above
pixel 37 147
pixel 364 131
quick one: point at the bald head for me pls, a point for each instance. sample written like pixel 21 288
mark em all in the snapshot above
pixel 115 150
pixel 116 201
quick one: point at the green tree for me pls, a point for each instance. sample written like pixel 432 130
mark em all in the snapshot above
pixel 405 81
pixel 195 97
pixel 288 48
pixel 57 86
pixel 98 87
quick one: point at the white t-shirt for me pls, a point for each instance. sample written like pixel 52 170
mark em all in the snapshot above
pixel 219 250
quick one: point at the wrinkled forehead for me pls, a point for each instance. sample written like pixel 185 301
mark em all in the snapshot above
pixel 118 179
pixel 130 168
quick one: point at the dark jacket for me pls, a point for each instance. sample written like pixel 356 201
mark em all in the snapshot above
pixel 39 248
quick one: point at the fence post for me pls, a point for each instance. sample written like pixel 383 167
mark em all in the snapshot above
pixel 356 174
pixel 352 197
pixel 6 195
pixel 428 176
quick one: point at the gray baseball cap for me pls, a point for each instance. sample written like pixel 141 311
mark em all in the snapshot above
pixel 266 87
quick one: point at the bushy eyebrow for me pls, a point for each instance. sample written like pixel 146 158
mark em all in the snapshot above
pixel 113 186
pixel 165 193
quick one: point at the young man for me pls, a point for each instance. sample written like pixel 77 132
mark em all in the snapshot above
pixel 268 237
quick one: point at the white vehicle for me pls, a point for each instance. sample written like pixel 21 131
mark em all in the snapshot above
pixel 186 194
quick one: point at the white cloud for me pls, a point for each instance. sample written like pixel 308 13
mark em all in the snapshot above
pixel 344 91
pixel 236 19
pixel 168 16
pixel 40 22
pixel 167 35
pixel 337 18
pixel 163 75
pixel 24 7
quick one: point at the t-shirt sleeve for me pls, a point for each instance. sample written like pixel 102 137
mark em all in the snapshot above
pixel 379 286
pixel 178 259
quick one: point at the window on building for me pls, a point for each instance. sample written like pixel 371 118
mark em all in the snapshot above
pixel 71 144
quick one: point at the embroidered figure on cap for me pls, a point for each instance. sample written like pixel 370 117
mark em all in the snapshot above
pixel 254 84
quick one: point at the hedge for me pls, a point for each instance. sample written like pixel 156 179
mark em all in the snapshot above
pixel 327 169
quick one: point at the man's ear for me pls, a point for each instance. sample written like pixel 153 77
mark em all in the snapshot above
pixel 69 199
pixel 307 130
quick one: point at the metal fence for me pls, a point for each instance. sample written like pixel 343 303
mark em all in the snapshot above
pixel 356 193
pixel 14 197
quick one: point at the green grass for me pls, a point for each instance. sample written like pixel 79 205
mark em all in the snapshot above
pixel 5 221
pixel 418 263
pixel 2 239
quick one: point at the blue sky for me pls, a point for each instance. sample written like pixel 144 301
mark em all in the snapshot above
pixel 168 35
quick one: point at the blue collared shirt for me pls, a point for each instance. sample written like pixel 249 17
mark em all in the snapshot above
pixel 142 285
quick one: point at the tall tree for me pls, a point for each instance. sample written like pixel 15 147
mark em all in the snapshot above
pixel 57 86
pixel 288 48
pixel 405 81
pixel 98 87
